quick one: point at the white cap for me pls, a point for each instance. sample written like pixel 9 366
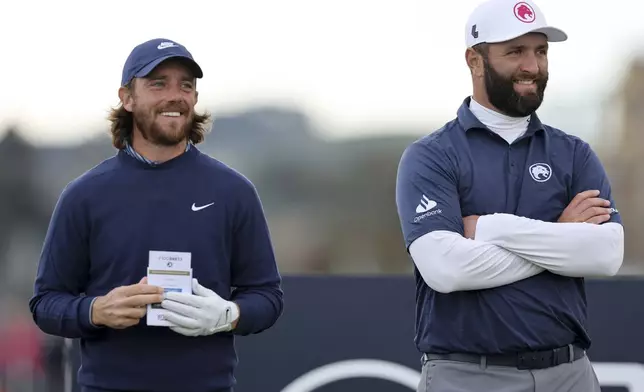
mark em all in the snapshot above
pixel 502 20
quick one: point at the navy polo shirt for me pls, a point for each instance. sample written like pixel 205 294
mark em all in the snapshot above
pixel 466 169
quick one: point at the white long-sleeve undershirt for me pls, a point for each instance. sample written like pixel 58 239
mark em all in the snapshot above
pixel 570 249
pixel 509 248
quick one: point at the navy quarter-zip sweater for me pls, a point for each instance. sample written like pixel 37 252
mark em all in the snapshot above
pixel 100 234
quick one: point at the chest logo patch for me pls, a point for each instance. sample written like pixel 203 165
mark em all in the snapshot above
pixel 540 172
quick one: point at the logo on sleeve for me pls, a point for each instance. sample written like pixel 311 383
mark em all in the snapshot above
pixel 540 172
pixel 426 208
pixel 425 205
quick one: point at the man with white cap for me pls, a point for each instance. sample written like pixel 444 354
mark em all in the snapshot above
pixel 504 217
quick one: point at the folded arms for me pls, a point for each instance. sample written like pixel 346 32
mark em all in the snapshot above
pixel 509 248
pixel 455 253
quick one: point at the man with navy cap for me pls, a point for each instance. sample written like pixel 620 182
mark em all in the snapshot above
pixel 504 217
pixel 159 195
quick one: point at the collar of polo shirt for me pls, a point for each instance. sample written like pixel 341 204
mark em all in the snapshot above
pixel 468 120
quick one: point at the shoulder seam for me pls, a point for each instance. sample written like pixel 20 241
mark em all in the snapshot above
pixel 89 175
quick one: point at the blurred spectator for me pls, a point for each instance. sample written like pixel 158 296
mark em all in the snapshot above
pixel 20 355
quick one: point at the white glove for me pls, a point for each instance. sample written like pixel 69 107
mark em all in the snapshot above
pixel 199 314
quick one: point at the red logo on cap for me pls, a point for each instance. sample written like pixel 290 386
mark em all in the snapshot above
pixel 524 12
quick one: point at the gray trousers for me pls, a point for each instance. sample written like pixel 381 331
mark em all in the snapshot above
pixel 451 376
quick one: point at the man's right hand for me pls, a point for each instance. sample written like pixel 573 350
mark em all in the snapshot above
pixel 124 306
pixel 587 207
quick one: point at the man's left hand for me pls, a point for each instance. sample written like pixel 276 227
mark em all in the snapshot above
pixel 199 314
pixel 469 226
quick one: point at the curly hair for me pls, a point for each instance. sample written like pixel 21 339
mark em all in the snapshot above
pixel 122 125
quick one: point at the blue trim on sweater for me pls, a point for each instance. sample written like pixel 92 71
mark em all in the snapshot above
pixel 136 155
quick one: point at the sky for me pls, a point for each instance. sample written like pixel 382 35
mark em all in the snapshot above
pixel 352 65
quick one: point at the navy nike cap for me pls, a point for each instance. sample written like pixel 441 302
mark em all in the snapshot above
pixel 146 56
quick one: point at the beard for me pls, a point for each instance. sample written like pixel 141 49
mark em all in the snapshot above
pixel 168 133
pixel 501 93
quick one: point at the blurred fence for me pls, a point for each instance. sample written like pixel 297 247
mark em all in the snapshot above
pixel 358 336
